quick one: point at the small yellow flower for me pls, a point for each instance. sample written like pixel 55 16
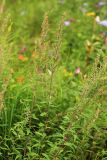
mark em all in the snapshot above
pixel 91 14
pixel 67 74
pixel 70 74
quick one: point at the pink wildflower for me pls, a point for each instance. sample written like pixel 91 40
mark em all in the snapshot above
pixel 77 71
pixel 67 23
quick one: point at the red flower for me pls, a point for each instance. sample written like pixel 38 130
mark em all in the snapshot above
pixel 22 58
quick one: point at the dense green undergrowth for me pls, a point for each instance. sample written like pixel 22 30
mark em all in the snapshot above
pixel 53 80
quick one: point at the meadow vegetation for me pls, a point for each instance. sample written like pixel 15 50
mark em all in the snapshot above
pixel 53 80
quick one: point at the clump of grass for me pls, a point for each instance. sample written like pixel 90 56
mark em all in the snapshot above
pixel 36 103
pixel 83 128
